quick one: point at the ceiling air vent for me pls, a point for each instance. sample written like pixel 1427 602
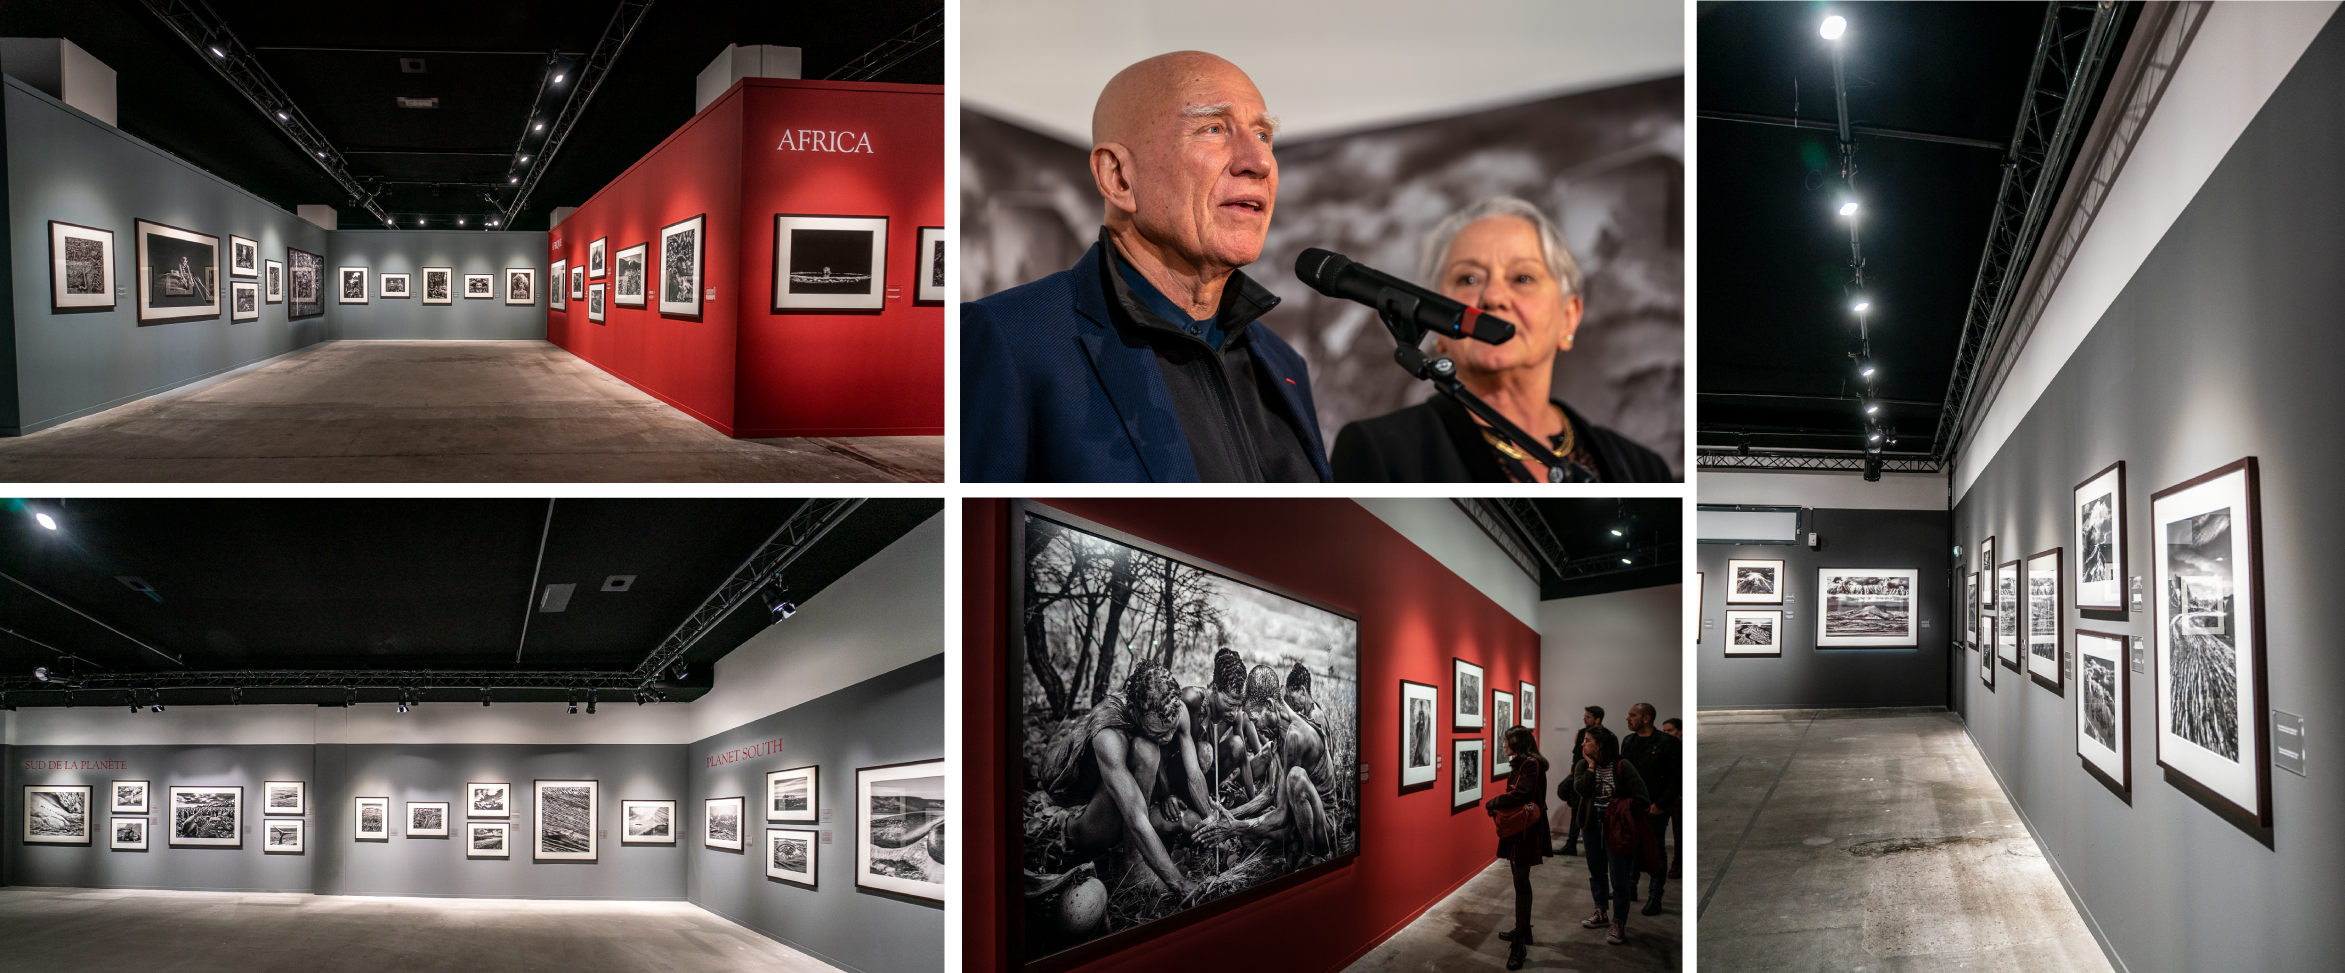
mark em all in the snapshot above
pixel 419 103
pixel 619 582
pixel 556 598
pixel 411 65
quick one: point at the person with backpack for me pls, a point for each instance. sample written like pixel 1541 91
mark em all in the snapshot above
pixel 1525 845
pixel 1612 799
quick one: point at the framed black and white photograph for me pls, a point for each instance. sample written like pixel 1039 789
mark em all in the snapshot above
pixel 2100 540
pixel 1526 705
pixel 439 285
pixel 594 302
pixel 1501 720
pixel 1986 563
pixel 480 287
pixel 284 797
pixel 488 839
pixel 1465 695
pixel 488 799
pixel 282 836
pixel 130 797
pixel 394 285
pixel 1969 606
pixel 244 257
pixel 647 822
pixel 81 267
pixel 427 819
pixel 2104 709
pixel 353 286
pixel 790 854
pixel 1754 582
pixel 1257 656
pixel 721 823
pixel 305 284
pixel 565 819
pixel 244 300
pixel 178 274
pixel 791 795
pixel 127 834
pixel 595 267
pixel 207 817
pixel 2045 664
pixel 681 245
pixel 371 819
pixel 1753 631
pixel 1987 629
pixel 630 268
pixel 521 285
pixel 1419 706
pixel 2207 558
pixel 559 297
pixel 57 814
pixel 1465 771
pixel 900 828
pixel 1863 607
pixel 272 282
pixel 830 264
pixel 577 283
pixel 2007 614
pixel 928 268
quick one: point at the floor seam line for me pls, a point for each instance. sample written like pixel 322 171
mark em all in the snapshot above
pixel 1747 827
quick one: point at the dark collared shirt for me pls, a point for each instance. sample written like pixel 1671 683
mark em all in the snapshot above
pixel 1237 429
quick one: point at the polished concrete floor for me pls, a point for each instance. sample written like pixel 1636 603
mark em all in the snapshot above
pixel 1461 932
pixel 1868 840
pixel 71 930
pixel 445 411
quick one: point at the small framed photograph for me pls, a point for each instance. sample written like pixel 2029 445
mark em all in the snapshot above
pixel 2045 664
pixel 1465 695
pixel 1970 609
pixel 1501 720
pixel 578 283
pixel 722 817
pixel 2100 540
pixel 594 259
pixel 900 828
pixel 559 297
pixel 128 834
pixel 130 797
pixel 1986 564
pixel 353 285
pixel 305 284
pixel 488 799
pixel 178 274
pixel 427 819
pixel 281 836
pixel 2208 601
pixel 207 817
pixel 1465 771
pixel 681 244
pixel 373 819
pixel 594 301
pixel 2007 614
pixel 480 287
pixel 244 300
pixel 830 264
pixel 628 272
pixel 567 817
pixel 393 285
pixel 1987 627
pixel 244 257
pixel 272 282
pixel 284 797
pixel 81 267
pixel 928 268
pixel 1754 582
pixel 1527 705
pixel 789 854
pixel 439 285
pixel 647 822
pixel 1419 733
pixel 792 795
pixel 57 814
pixel 488 839
pixel 1693 622
pixel 1754 631
pixel 521 285
pixel 2104 709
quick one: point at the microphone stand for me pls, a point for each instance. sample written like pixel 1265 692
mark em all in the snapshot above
pixel 1399 312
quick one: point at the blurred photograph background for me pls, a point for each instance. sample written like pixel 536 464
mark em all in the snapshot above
pixel 1393 116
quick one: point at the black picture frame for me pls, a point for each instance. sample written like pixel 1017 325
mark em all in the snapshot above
pixel 2007 615
pixel 931 257
pixel 2089 649
pixel 1428 736
pixel 2246 803
pixel 2057 682
pixel 109 269
pixel 299 264
pixel 211 275
pixel 874 251
pixel 2109 483
pixel 1735 581
pixel 1772 621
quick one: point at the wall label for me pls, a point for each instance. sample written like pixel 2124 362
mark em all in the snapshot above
pixel 817 140
pixel 2288 742
pixel 765 748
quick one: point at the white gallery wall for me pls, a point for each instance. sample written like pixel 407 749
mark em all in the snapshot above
pixel 1610 650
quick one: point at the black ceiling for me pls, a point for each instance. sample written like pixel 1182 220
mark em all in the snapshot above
pixel 484 61
pixel 394 584
pixel 1650 539
pixel 1776 330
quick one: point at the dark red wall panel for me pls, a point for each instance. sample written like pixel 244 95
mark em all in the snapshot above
pixel 1415 616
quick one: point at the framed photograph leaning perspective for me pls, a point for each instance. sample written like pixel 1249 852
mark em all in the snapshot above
pixel 2207 561
pixel 1419 733
pixel 2045 664
pixel 2007 614
pixel 2104 709
pixel 2100 540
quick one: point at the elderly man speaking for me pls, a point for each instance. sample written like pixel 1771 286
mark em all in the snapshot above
pixel 1147 361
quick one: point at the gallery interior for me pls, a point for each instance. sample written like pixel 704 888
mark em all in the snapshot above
pixel 566 242
pixel 1087 621
pixel 2003 658
pixel 473 733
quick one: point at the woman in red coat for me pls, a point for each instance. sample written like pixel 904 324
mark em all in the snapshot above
pixel 1528 847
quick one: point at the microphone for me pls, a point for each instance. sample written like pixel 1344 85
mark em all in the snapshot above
pixel 1336 275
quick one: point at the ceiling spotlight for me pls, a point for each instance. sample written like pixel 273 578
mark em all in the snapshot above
pixel 558 78
pixel 1861 305
pixel 45 520
pixel 1624 560
pixel 282 115
pixel 216 53
pixel 133 702
pixel 525 158
pixel 514 179
pixel 403 704
pixel 349 696
pixel 158 702
pixel 484 695
pixel 1876 437
pixel 40 673
pixel 1834 26
pixel 460 221
pixel 236 696
pixel 541 126
pixel 1848 208
pixel 321 155
pixel 5 704
pixel 1865 367
pixel 1616 532
pixel 1872 406
pixel 494 222
pixel 591 696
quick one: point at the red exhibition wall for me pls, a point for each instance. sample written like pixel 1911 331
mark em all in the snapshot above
pixel 1415 615
pixel 740 367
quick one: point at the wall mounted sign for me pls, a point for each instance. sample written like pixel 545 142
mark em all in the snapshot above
pixel 819 140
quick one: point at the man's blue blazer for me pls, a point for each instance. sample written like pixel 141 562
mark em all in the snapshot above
pixel 1052 391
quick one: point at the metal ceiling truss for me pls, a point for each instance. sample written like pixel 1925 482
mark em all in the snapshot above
pixel 195 23
pixel 1788 121
pixel 590 75
pixel 1815 460
pixel 806 526
pixel 1531 525
pixel 604 680
pixel 927 32
pixel 1609 562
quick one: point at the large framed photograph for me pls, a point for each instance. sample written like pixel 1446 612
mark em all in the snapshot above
pixel 594 301
pixel 272 282
pixel 792 795
pixel 372 817
pixel 81 267
pixel 353 286
pixel 1257 656
pixel 2212 716
pixel 1754 631
pixel 629 271
pixel 244 300
pixel 1501 720
pixel 178 274
pixel 1754 582
pixel 521 285
pixel 57 814
pixel 790 854
pixel 2100 540
pixel 130 797
pixel 681 244
pixel 282 836
pixel 1969 606
pixel 244 257
pixel 480 287
pixel 2045 664
pixel 565 819
pixel 129 834
pixel 1465 695
pixel 2007 614
pixel 439 285
pixel 284 797
pixel 928 268
pixel 488 839
pixel 647 822
pixel 830 264
pixel 488 799
pixel 2104 709
pixel 721 821
pixel 559 297
pixel 1860 607
pixel 394 285
pixel 1418 702
pixel 207 817
pixel 427 819
pixel 900 828
pixel 305 284
pixel 1465 771
pixel 1527 705
pixel 595 268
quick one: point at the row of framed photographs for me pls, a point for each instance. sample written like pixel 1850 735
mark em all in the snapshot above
pixel 822 264
pixel 1468 755
pixel 439 286
pixel 179 274
pixel 199 816
pixel 1855 607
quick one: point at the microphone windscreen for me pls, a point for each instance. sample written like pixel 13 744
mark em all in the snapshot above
pixel 1319 268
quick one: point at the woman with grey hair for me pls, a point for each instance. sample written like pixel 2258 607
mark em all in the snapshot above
pixel 1504 257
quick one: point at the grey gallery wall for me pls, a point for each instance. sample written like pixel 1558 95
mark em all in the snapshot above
pixel 1805 675
pixel 462 252
pixel 220 869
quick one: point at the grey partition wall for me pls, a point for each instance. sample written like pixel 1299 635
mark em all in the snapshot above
pixel 463 251
pixel 64 165
pixel 160 866
pixel 891 718
pixel 1805 675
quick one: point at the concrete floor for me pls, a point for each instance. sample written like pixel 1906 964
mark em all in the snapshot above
pixel 66 930
pixel 1869 840
pixel 444 411
pixel 1461 932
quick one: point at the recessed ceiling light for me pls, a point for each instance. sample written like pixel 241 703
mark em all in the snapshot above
pixel 46 521
pixel 558 78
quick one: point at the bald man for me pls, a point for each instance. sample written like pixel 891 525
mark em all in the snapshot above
pixel 1148 362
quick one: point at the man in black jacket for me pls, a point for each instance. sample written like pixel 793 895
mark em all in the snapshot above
pixel 1592 718
pixel 1655 755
